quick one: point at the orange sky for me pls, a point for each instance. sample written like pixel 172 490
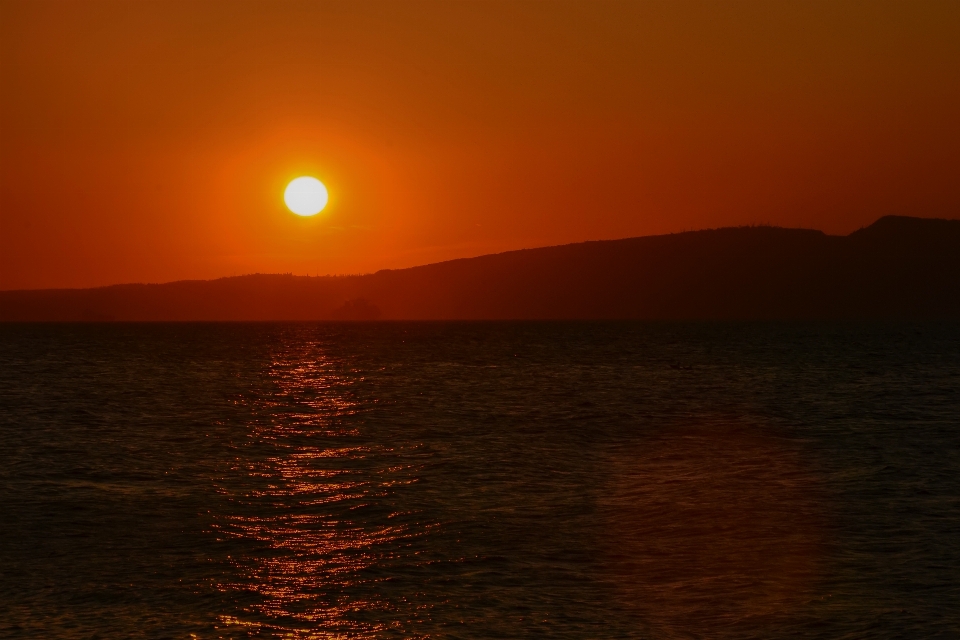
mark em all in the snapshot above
pixel 151 141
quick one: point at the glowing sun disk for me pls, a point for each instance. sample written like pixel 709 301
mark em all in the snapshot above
pixel 305 196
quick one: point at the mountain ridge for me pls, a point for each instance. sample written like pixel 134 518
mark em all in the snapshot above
pixel 898 267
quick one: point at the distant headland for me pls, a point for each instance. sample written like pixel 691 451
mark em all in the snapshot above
pixel 898 267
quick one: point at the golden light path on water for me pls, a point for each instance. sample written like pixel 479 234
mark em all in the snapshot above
pixel 297 506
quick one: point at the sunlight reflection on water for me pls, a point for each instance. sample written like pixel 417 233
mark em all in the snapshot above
pixel 311 548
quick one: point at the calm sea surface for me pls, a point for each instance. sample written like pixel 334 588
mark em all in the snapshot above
pixel 488 480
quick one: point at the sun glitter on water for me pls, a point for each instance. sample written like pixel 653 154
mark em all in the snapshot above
pixel 305 196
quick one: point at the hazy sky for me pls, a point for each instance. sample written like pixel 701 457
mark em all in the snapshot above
pixel 151 141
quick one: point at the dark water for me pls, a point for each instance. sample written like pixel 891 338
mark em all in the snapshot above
pixel 480 480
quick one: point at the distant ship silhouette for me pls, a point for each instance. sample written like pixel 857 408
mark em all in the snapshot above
pixel 898 267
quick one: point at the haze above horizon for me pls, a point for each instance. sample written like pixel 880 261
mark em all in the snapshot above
pixel 153 141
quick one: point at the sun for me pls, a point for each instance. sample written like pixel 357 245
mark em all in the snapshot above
pixel 305 196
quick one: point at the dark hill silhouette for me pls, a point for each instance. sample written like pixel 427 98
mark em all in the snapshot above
pixel 899 267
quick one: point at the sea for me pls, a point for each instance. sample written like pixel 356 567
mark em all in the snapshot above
pixel 480 480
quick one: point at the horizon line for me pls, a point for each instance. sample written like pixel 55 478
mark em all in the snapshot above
pixel 497 253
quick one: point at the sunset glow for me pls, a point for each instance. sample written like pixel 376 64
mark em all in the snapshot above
pixel 446 130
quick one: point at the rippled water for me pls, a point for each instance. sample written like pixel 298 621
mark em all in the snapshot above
pixel 604 480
